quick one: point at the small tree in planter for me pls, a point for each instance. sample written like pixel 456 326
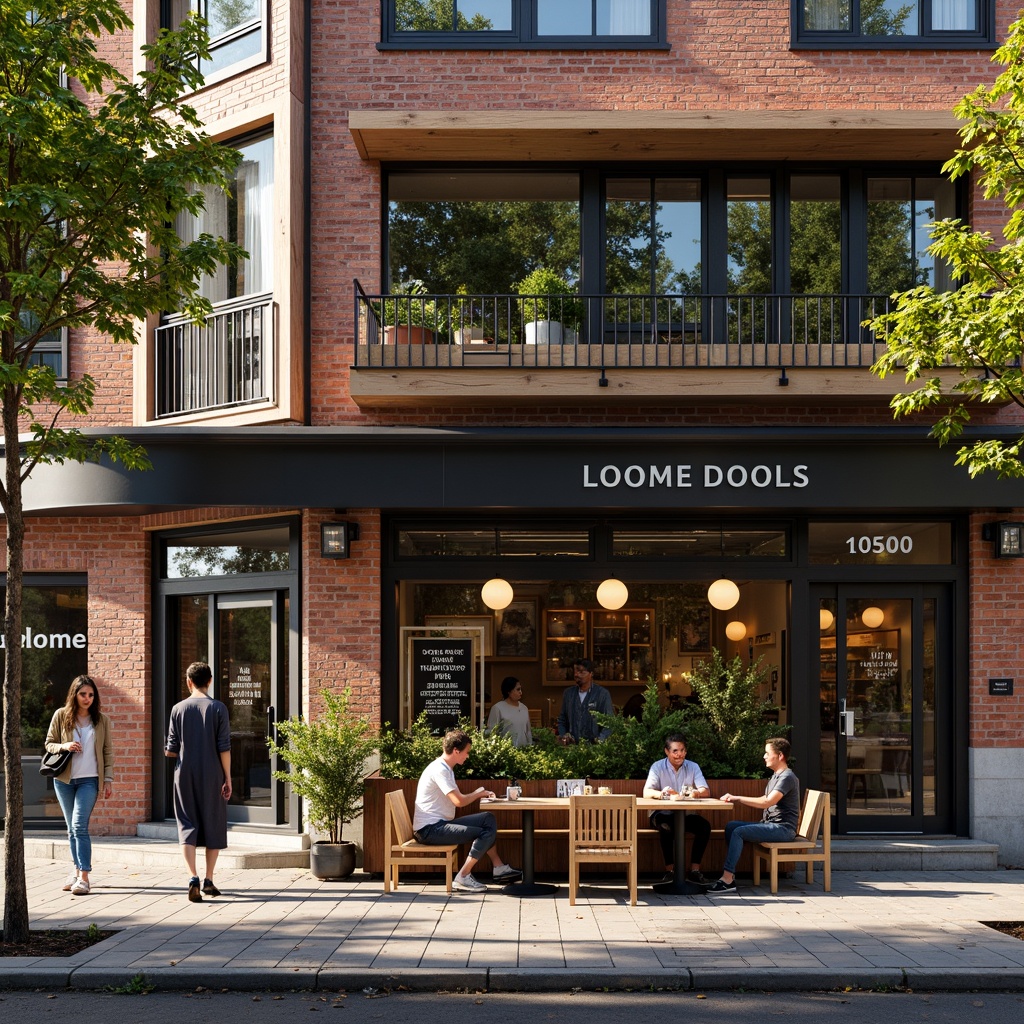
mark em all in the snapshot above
pixel 551 312
pixel 328 762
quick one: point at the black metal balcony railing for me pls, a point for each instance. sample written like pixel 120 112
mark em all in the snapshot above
pixel 227 362
pixel 671 331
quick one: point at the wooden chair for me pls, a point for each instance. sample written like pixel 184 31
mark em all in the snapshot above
pixel 401 849
pixel 602 830
pixel 804 849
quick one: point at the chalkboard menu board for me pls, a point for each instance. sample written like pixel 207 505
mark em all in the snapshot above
pixel 442 680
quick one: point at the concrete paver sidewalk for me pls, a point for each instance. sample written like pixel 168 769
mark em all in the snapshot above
pixel 281 928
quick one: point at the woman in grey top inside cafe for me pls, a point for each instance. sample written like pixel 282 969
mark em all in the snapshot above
pixel 510 715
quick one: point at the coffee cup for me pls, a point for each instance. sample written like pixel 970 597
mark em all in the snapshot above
pixel 588 790
pixel 513 792
pixel 604 790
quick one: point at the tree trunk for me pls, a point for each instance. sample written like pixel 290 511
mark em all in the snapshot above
pixel 16 923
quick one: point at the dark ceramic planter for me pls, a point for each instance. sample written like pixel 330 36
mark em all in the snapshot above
pixel 332 860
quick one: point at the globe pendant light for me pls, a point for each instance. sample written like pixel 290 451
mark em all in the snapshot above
pixel 497 594
pixel 723 595
pixel 736 630
pixel 825 619
pixel 872 617
pixel 612 594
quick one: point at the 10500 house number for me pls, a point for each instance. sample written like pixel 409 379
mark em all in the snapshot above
pixel 879 545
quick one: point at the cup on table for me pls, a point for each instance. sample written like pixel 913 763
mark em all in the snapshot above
pixel 588 790
pixel 604 790
pixel 514 792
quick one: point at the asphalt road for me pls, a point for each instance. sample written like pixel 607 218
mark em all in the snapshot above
pixel 481 1008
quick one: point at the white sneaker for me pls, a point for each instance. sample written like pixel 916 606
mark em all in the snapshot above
pixel 69 884
pixel 80 888
pixel 467 883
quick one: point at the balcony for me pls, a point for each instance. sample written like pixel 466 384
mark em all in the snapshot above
pixel 530 348
pixel 226 363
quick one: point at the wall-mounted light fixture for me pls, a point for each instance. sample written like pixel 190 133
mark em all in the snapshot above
pixel 497 594
pixel 1008 538
pixel 723 595
pixel 335 539
pixel 612 594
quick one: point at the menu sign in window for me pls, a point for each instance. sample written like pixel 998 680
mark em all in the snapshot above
pixel 442 681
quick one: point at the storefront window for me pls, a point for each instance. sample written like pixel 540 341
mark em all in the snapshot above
pixel 700 543
pixel 224 554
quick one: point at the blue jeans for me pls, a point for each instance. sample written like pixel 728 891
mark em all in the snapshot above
pixel 77 799
pixel 479 829
pixel 739 832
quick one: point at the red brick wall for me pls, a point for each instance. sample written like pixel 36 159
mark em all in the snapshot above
pixel 996 599
pixel 114 553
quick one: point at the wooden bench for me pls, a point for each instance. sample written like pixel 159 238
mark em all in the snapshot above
pixel 804 849
pixel 402 850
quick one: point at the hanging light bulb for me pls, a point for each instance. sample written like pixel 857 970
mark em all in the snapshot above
pixel 612 594
pixel 723 595
pixel 825 619
pixel 872 617
pixel 497 594
pixel 736 630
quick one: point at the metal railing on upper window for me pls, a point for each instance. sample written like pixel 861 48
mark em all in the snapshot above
pixel 225 363
pixel 561 331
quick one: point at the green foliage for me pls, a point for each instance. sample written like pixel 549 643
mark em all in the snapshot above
pixel 727 739
pixel 410 308
pixel 549 298
pixel 980 326
pixel 328 762
pixel 726 731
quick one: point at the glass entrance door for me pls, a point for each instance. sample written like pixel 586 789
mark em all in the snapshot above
pixel 883 657
pixel 243 638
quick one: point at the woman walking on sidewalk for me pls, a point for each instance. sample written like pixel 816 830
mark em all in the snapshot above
pixel 83 729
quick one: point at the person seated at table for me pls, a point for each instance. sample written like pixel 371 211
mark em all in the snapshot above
pixel 778 824
pixel 576 722
pixel 666 778
pixel 437 797
pixel 510 715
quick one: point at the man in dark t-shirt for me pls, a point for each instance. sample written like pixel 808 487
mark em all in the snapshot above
pixel 781 807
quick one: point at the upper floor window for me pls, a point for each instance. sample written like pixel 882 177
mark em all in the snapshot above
pixel 490 24
pixel 902 24
pixel 244 215
pixel 237 28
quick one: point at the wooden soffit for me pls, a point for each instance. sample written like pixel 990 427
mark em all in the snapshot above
pixel 691 135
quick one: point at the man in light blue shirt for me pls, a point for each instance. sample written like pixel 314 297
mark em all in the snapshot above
pixel 671 775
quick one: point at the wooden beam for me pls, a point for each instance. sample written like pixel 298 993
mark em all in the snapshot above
pixel 646 135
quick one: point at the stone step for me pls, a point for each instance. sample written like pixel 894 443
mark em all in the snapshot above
pixel 913 853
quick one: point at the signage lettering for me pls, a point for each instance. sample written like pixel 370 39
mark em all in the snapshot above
pixel 681 475
pixel 57 641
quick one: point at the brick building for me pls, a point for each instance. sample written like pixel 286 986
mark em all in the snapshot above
pixel 724 192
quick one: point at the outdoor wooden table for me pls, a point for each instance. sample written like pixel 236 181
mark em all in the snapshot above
pixel 680 886
pixel 526 806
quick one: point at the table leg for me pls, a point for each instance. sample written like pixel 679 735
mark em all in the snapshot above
pixel 679 886
pixel 528 887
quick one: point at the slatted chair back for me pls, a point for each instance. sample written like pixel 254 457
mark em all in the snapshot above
pixel 815 820
pixel 602 830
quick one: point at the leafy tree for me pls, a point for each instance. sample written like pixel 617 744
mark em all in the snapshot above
pixel 435 16
pixel 980 326
pixel 94 168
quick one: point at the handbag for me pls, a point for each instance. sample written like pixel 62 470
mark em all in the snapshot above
pixel 53 764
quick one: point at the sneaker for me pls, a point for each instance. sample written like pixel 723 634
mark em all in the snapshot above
pixel 507 873
pixel 722 888
pixel 69 884
pixel 194 895
pixel 697 877
pixel 669 876
pixel 209 889
pixel 80 888
pixel 467 883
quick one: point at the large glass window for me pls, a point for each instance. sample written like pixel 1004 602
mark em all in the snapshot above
pixel 244 214
pixel 880 23
pixel 237 28
pixel 524 23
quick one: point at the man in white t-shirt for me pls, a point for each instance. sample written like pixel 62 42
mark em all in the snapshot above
pixel 437 797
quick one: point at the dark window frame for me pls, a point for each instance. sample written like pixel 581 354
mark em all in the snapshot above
pixel 260 24
pixel 522 36
pixel 983 38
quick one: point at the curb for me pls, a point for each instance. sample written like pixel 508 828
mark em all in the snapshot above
pixel 170 979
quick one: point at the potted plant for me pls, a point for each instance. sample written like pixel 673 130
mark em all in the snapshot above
pixel 408 317
pixel 551 313
pixel 328 759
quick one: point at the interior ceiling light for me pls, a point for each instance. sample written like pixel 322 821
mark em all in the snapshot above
pixel 723 595
pixel 872 617
pixel 736 630
pixel 825 619
pixel 497 594
pixel 612 594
